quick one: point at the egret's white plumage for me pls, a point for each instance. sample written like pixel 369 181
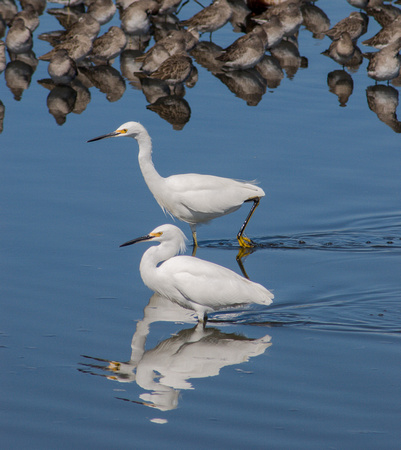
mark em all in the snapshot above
pixel 192 198
pixel 192 282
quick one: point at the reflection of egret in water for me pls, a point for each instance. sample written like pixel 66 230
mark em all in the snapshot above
pixel 192 198
pixel 166 369
pixel 191 282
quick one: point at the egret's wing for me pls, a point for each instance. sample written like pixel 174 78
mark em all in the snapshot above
pixel 211 285
pixel 210 194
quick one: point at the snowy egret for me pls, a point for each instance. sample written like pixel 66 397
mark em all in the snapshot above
pixel 192 282
pixel 192 198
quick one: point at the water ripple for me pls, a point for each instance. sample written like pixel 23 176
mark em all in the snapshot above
pixel 385 239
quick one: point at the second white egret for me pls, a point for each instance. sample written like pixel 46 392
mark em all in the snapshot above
pixel 193 283
pixel 192 198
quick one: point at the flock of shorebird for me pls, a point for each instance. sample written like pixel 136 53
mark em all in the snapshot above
pixel 264 24
pixel 82 57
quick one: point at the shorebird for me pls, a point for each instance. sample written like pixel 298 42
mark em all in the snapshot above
pixel 78 48
pixel 19 37
pixel 341 50
pixel 385 64
pixel 102 10
pixel 289 15
pixel 386 35
pixel 211 18
pixel 355 25
pixel 108 46
pixel 174 70
pixel 62 69
pixel 135 19
pixel 170 45
pixel 30 17
pixel 86 26
pixel 246 51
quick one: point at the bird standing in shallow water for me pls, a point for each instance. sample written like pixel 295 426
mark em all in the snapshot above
pixel 385 64
pixel 192 282
pixel 192 198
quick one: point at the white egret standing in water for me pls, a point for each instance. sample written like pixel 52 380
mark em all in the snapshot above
pixel 192 198
pixel 192 282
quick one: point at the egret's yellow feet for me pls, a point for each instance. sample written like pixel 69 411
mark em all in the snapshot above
pixel 245 242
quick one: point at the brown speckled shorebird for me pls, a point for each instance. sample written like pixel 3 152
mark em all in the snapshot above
pixel 108 46
pixel 135 20
pixel 385 64
pixel 386 35
pixel 19 37
pixel 341 50
pixel 355 25
pixel 170 45
pixel 30 17
pixel 289 14
pixel 211 18
pixel 62 69
pixel 383 14
pixel 38 5
pixel 246 51
pixel 86 26
pixel 102 10
pixel 77 47
pixel 174 70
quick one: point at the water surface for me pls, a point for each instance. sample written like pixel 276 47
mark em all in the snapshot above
pixel 317 369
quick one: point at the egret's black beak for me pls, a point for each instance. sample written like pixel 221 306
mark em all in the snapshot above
pixel 148 237
pixel 104 136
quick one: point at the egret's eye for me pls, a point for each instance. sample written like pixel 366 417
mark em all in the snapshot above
pixel 123 131
pixel 158 234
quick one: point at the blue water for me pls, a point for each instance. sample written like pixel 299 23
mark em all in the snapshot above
pixel 87 363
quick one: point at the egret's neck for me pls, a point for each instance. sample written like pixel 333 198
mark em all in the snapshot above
pixel 150 174
pixel 150 261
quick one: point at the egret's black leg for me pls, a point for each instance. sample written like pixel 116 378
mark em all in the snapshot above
pixel 243 240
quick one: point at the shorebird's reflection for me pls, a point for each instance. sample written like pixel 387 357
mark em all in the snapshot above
pixel 383 101
pixel 163 371
pixel 341 84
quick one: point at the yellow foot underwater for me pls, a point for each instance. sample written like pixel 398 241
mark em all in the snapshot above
pixel 245 242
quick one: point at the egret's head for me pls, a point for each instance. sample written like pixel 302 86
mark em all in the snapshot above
pixel 163 233
pixel 128 129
